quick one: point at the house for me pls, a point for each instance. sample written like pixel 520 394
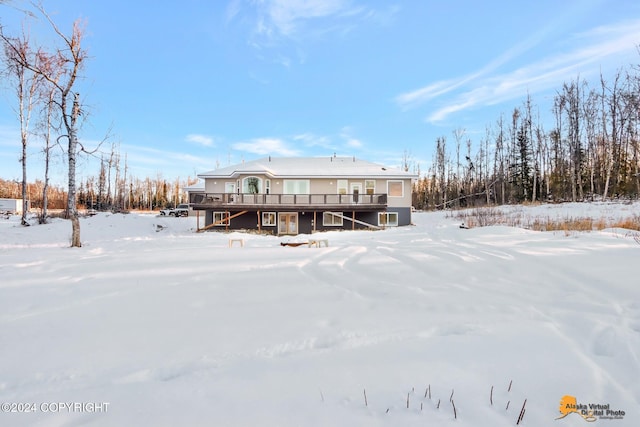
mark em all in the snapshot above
pixel 292 195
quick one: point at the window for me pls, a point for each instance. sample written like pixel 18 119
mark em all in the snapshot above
pixel 395 188
pixel 252 185
pixel 369 187
pixel 269 218
pixel 229 187
pixel 329 219
pixel 267 186
pixel 220 218
pixel 342 186
pixel 389 219
pixel 296 186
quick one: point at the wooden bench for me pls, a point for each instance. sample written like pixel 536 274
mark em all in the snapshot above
pixel 318 243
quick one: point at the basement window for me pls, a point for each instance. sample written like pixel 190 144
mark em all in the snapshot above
pixel 268 218
pixel 331 220
pixel 388 219
pixel 220 219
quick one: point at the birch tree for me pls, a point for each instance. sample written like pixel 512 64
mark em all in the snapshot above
pixel 26 84
pixel 73 56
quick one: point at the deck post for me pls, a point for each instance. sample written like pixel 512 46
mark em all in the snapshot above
pixel 353 223
pixel 259 223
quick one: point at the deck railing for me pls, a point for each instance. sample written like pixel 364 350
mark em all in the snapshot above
pixel 204 200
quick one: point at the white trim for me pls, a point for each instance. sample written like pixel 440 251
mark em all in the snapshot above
pixel 373 188
pixel 387 222
pixel 268 223
pixel 356 195
pixel 291 215
pixel 297 184
pixel 245 185
pixel 342 184
pixel 389 181
pixel 221 215
pixel 333 223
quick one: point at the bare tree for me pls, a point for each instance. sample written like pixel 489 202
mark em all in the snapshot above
pixel 73 56
pixel 26 84
pixel 611 137
pixel 55 69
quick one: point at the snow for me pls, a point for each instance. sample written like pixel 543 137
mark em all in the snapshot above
pixel 304 167
pixel 171 327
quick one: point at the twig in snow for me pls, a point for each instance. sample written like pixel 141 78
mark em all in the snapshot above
pixel 507 408
pixel 408 400
pixel 510 382
pixel 365 398
pixel 491 396
pixel 521 416
pixel 451 397
pixel 455 413
pixel 522 411
pixel 438 405
pixel 321 396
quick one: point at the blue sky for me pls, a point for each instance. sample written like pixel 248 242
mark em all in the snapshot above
pixel 182 87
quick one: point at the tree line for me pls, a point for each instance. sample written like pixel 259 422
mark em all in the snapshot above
pixel 590 151
pixel 94 192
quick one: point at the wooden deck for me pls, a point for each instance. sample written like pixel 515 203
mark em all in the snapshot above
pixel 289 202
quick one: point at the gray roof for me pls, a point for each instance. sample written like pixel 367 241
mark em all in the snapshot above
pixel 309 167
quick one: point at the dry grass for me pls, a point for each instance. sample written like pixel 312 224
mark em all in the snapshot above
pixel 483 217
pixel 632 223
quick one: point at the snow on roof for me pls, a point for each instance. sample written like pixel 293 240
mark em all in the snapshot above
pixel 198 186
pixel 309 167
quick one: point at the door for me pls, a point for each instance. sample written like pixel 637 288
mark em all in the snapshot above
pixel 287 223
pixel 356 190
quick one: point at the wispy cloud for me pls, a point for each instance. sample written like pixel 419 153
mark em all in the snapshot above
pixel 275 21
pixel 147 157
pixel 287 16
pixel 346 133
pixel 233 8
pixel 264 146
pixel 204 140
pixel 312 140
pixel 595 49
pixel 419 96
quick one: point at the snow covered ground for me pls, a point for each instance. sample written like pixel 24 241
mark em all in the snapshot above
pixel 160 326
